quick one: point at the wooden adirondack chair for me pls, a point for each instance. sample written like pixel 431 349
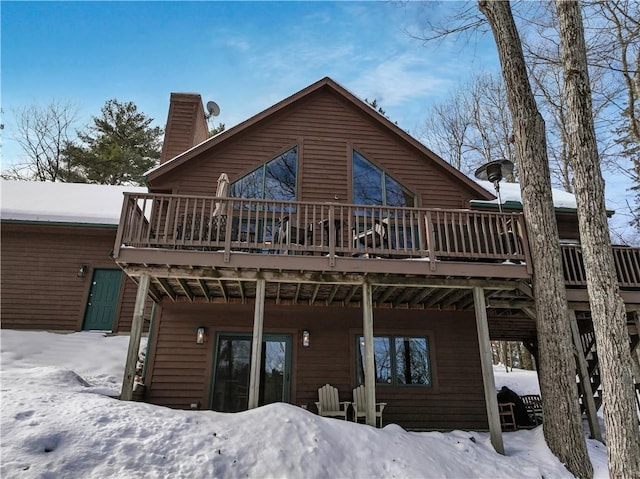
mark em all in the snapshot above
pixel 329 403
pixel 360 405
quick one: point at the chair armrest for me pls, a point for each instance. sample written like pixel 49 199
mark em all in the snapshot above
pixel 344 403
pixel 381 405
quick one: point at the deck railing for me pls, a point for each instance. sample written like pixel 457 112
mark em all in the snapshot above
pixel 333 229
pixel 627 263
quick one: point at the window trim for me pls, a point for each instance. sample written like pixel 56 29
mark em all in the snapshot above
pixel 383 182
pixel 263 167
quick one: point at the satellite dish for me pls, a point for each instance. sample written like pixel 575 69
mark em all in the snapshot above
pixel 213 108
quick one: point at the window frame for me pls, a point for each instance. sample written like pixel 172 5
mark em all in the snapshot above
pixel 262 169
pixel 383 182
pixel 392 337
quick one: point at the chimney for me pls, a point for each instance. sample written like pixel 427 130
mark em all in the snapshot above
pixel 186 125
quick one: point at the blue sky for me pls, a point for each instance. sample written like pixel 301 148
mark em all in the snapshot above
pixel 243 55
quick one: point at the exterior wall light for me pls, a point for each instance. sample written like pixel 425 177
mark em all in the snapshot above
pixel 201 333
pixel 82 271
pixel 306 339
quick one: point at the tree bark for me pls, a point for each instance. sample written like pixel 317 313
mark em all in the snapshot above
pixel 562 422
pixel 607 308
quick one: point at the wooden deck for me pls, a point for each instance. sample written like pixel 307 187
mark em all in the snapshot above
pixel 214 249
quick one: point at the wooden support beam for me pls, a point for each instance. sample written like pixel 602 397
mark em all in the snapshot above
pixel 278 286
pixel 312 299
pixel 134 339
pixel 387 294
pixel 490 397
pixel 274 276
pixel 297 295
pixel 256 344
pixel 204 289
pixel 349 295
pixel 167 288
pixel 455 297
pixel 585 381
pixel 438 296
pixel 185 287
pixel 421 296
pixel 242 292
pixel 332 294
pixel 403 297
pixel 223 290
pixel 369 366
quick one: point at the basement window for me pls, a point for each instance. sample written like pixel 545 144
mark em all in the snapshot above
pixel 398 360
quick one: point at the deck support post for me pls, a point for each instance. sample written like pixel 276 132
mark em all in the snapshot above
pixel 256 345
pixel 585 381
pixel 369 366
pixel 490 396
pixel 134 339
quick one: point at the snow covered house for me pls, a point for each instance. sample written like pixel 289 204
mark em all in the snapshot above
pixel 316 243
pixel 57 270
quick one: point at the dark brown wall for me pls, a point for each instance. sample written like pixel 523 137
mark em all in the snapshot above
pixel 39 281
pixel 326 128
pixel 181 374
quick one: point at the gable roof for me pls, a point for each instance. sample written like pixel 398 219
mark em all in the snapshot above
pixel 69 203
pixel 325 83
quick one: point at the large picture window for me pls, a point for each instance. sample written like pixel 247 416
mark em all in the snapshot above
pixel 398 360
pixel 274 180
pixel 372 186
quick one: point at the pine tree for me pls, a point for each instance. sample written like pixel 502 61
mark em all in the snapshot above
pixel 118 148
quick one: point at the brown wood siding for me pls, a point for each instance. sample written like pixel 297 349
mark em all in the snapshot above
pixel 568 226
pixel 186 126
pixel 40 286
pixel 326 128
pixel 181 371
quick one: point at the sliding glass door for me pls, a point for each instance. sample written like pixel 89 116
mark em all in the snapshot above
pixel 232 366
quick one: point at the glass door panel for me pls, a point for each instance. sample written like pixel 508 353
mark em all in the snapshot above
pixel 233 365
pixel 231 376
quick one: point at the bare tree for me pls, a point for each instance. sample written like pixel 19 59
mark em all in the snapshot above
pixel 562 423
pixel 43 134
pixel 607 308
pixel 472 127
pixel 447 127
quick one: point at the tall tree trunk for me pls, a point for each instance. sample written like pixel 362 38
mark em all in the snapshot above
pixel 607 308
pixel 527 361
pixel 562 422
pixel 503 355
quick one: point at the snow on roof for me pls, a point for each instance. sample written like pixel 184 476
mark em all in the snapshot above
pixel 510 192
pixel 63 202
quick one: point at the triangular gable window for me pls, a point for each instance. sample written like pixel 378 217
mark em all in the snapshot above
pixel 274 180
pixel 372 186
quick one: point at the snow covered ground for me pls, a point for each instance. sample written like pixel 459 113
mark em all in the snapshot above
pixel 58 421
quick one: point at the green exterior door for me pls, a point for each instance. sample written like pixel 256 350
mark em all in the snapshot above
pixel 103 300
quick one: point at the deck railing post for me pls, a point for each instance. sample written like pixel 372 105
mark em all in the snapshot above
pixel 431 240
pixel 332 236
pixel 122 225
pixel 228 231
